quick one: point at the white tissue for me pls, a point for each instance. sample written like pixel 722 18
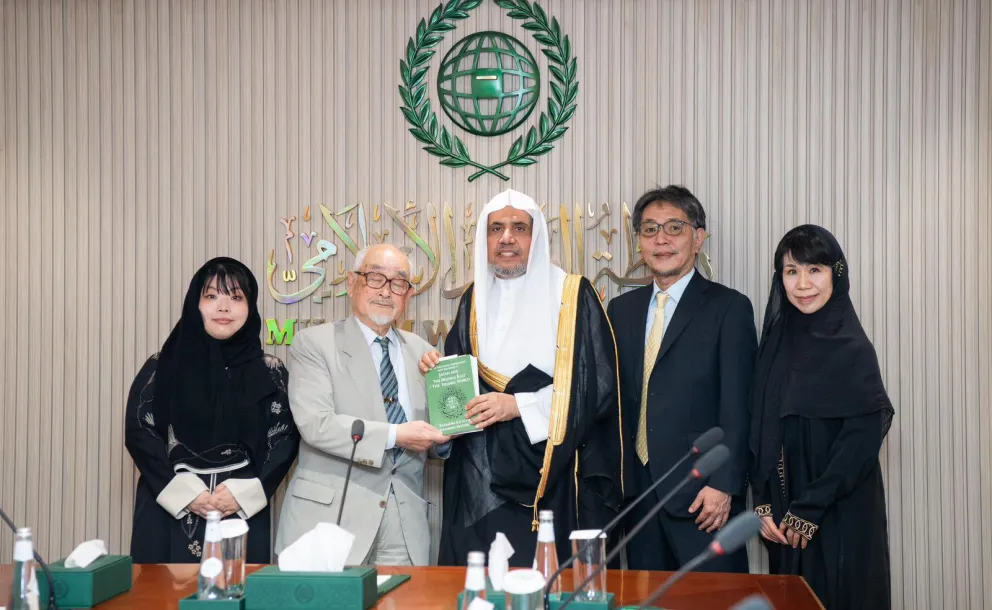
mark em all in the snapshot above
pixel 325 548
pixel 500 552
pixel 477 604
pixel 85 554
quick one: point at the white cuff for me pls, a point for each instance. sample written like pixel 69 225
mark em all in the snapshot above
pixel 181 490
pixel 249 494
pixel 534 415
pixel 391 437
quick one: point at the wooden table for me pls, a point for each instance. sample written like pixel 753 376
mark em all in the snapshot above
pixel 159 587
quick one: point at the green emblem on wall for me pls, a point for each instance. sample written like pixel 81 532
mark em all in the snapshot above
pixel 488 84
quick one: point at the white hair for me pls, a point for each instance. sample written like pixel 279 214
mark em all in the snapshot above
pixel 360 257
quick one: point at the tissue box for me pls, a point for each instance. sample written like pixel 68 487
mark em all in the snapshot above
pixel 555 601
pixel 271 589
pixel 496 598
pixel 191 603
pixel 107 577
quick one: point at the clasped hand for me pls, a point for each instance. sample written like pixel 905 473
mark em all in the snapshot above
pixel 222 500
pixel 783 534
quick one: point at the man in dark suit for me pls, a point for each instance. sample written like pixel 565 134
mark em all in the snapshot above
pixel 686 352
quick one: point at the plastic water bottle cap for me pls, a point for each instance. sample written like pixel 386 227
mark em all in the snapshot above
pixel 213 533
pixel 211 568
pixel 546 532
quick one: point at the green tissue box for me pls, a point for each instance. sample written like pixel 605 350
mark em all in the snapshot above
pixel 496 598
pixel 394 581
pixel 191 603
pixel 556 600
pixel 106 577
pixel 352 589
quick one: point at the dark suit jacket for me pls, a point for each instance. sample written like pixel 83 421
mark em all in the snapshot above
pixel 701 379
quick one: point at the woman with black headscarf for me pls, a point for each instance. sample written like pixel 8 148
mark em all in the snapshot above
pixel 208 423
pixel 819 414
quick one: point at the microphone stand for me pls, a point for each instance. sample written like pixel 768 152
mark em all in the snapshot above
pixel 630 535
pixel 48 575
pixel 609 526
pixel 347 477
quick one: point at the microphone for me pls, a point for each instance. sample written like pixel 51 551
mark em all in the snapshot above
pixel 753 602
pixel 357 433
pixel 733 536
pixel 704 467
pixel 706 441
pixel 44 566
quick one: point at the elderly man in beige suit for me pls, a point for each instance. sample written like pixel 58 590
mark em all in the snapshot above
pixel 363 368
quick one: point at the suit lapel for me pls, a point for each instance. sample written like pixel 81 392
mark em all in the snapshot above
pixel 692 298
pixel 360 368
pixel 638 319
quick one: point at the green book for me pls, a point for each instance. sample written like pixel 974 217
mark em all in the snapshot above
pixel 450 386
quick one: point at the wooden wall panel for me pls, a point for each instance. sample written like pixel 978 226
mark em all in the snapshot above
pixel 139 138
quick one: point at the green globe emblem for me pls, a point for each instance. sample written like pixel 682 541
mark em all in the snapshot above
pixel 488 83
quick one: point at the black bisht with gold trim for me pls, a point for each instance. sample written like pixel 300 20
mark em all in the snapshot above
pixel 497 480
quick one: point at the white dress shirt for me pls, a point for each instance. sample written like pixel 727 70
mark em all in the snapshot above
pixel 674 292
pixel 399 369
pixel 534 407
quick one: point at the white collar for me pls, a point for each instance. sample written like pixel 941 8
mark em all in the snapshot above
pixel 370 335
pixel 676 290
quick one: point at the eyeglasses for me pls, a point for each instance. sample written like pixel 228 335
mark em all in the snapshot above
pixel 673 228
pixel 397 286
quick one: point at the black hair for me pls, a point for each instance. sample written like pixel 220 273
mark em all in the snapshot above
pixel 807 248
pixel 678 196
pixel 230 279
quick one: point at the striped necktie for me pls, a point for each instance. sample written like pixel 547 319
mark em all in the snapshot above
pixel 390 390
pixel 650 356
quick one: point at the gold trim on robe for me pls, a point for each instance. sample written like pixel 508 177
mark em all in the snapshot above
pixel 616 358
pixel 562 378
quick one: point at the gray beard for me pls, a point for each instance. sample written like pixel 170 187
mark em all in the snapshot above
pixel 507 273
pixel 381 319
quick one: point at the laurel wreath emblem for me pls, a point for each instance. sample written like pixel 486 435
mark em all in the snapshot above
pixel 551 123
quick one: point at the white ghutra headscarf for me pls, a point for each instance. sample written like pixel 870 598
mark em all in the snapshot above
pixel 517 319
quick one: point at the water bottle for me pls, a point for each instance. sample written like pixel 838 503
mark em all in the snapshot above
pixel 211 582
pixel 24 585
pixel 475 579
pixel 546 555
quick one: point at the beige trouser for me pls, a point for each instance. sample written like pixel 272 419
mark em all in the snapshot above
pixel 389 547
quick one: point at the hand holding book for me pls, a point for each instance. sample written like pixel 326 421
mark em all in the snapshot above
pixel 452 384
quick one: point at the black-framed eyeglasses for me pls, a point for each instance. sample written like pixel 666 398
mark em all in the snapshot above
pixel 673 227
pixel 374 279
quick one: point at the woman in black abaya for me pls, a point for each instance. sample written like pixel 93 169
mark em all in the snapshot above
pixel 208 423
pixel 819 414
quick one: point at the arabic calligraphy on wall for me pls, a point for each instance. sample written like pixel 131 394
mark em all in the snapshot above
pixel 323 272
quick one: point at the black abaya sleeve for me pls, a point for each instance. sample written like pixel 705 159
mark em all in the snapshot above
pixel 282 437
pixel 147 448
pixel 852 456
pixel 762 499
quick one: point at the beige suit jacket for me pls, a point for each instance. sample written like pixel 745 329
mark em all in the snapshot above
pixel 332 382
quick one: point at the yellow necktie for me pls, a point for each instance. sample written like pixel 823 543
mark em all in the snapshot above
pixel 650 355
